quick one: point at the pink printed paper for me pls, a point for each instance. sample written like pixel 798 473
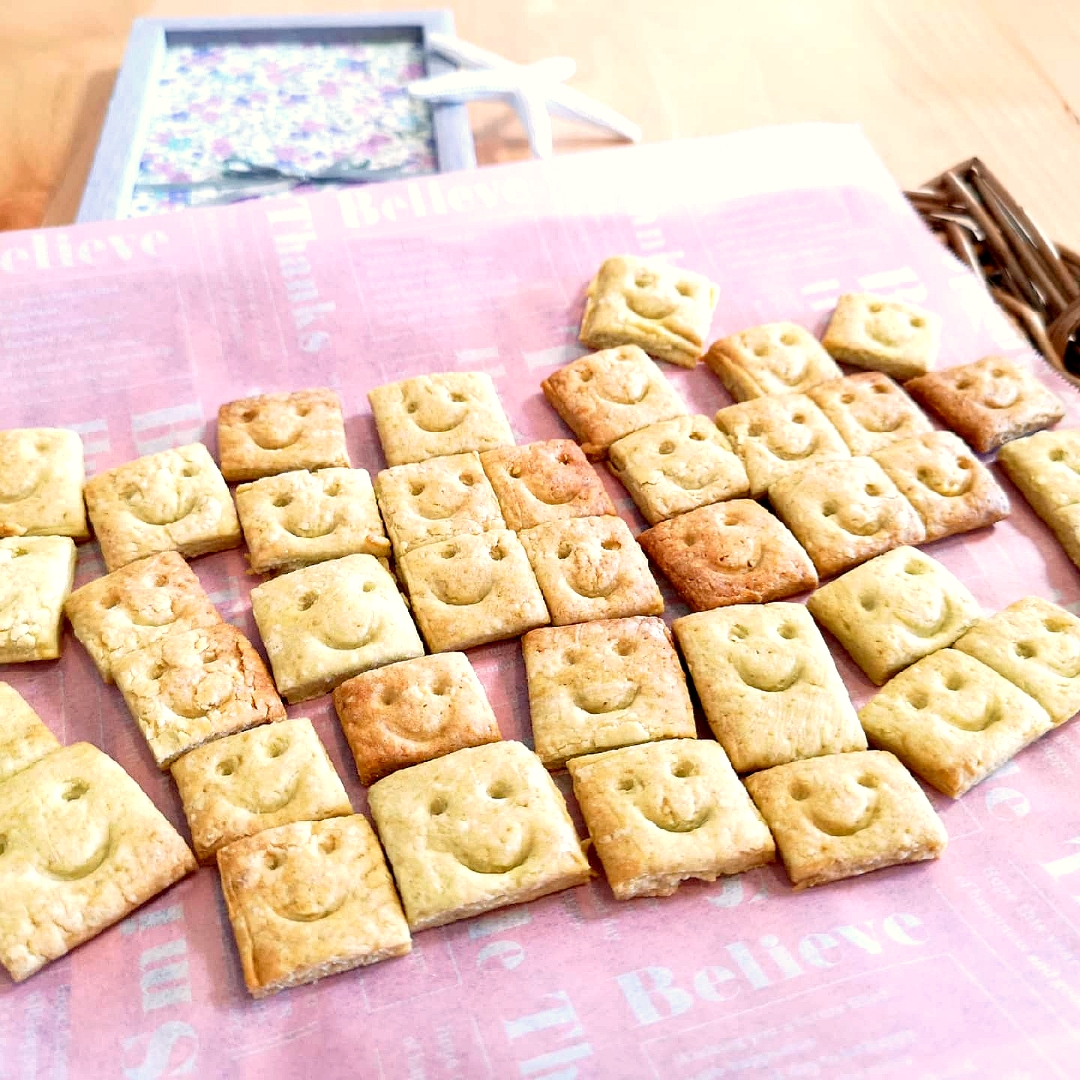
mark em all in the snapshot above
pixel 132 333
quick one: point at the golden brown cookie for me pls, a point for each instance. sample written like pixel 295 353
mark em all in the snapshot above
pixel 777 358
pixel 41 483
pixel 24 739
pixel 870 411
pixel 892 336
pixel 36 573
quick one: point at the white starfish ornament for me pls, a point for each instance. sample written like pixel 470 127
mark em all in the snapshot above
pixel 535 90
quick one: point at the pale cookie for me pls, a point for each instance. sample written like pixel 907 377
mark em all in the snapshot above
pixel 661 813
pixel 299 518
pixel 677 465
pixel 24 739
pixel 41 483
pixel 777 358
pixel 952 720
pixel 847 814
pixel 606 395
pixel 845 512
pixel 310 899
pixel 777 435
pixel 591 568
pixel 648 302
pixel 1046 469
pixel 768 685
pixel 449 412
pixel 1066 526
pixel 36 573
pixel 413 711
pixel 81 846
pixel 989 402
pixel 731 553
pixel 894 610
pixel 870 411
pixel 472 590
pixel 276 433
pixel 600 685
pixel 172 501
pixel 950 488
pixel 327 622
pixel 892 336
pixel 1035 645
pixel 545 481
pixel 241 784
pixel 134 606
pixel 192 686
pixel 479 829
pixel 435 499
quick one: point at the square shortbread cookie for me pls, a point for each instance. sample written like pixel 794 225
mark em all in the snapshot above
pixel 435 499
pixel 989 402
pixel 82 846
pixel 36 573
pixel 591 568
pixel 730 553
pixel 449 412
pixel 664 812
pixel 599 685
pixel 779 434
pixel 847 814
pixel 777 358
pixel 172 501
pixel 664 309
pixel 545 481
pixel 135 605
pixel 606 395
pixel 24 739
pixel 677 465
pixel 326 622
pixel 299 518
pixel 276 433
pixel 241 784
pixel 310 899
pixel 952 720
pixel 41 483
pixel 768 685
pixel 1035 645
pixel 478 829
pixel 1046 469
pixel 892 336
pixel 192 686
pixel 845 512
pixel 870 411
pixel 894 610
pixel 413 711
pixel 950 488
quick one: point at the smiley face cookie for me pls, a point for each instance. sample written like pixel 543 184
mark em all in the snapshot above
pixel 172 501
pixel 892 336
pixel 24 739
pixel 276 433
pixel 599 685
pixel 667 811
pixel 768 685
pixel 777 358
pixel 36 573
pixel 870 411
pixel 475 830
pixel 81 846
pixel 310 899
pixel 327 622
pixel 41 483
pixel 449 412
pixel 413 711
pixel 241 784
pixel 847 814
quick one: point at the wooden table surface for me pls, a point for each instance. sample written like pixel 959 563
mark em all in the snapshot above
pixel 932 81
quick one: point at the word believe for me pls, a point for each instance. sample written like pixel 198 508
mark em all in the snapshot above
pixel 364 207
pixel 57 251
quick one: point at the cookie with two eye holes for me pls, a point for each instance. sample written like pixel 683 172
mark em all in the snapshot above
pixel 599 685
pixel 299 518
pixel 41 483
pixel 310 899
pixel 436 499
pixel 240 784
pixel 768 685
pixel 172 501
pixel 870 411
pixel 892 336
pixel 36 573
pixel 24 739
pixel 478 829
pixel 846 814
pixel 668 811
pixel 450 412
pixel 276 433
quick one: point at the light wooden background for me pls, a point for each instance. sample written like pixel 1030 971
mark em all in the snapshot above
pixel 932 81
